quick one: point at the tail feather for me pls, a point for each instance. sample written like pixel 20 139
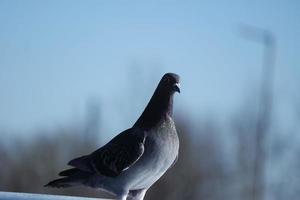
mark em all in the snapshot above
pixel 73 177
pixel 69 172
pixel 61 183
pixel 83 163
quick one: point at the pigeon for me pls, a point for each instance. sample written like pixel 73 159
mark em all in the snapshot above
pixel 134 160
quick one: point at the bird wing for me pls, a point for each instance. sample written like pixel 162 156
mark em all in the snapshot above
pixel 114 157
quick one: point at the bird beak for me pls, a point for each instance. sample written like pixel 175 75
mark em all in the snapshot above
pixel 176 87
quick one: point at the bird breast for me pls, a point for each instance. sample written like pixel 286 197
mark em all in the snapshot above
pixel 161 149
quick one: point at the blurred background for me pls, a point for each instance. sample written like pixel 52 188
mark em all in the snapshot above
pixel 73 74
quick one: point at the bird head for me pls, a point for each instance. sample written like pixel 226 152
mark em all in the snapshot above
pixel 170 83
pixel 161 102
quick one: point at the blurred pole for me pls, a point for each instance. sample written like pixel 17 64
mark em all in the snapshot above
pixel 267 39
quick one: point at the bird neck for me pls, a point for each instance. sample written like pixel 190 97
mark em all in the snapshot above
pixel 158 109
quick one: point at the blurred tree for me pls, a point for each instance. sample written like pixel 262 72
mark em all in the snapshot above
pixel 204 170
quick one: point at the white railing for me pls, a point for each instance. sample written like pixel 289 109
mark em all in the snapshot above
pixel 31 196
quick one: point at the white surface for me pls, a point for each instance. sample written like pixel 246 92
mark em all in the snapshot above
pixel 31 196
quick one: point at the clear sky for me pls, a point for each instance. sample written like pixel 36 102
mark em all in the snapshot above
pixel 57 55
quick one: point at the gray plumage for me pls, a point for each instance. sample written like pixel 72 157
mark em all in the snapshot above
pixel 135 159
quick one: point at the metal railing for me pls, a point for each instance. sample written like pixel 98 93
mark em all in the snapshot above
pixel 31 196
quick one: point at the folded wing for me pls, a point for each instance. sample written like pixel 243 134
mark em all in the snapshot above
pixel 116 156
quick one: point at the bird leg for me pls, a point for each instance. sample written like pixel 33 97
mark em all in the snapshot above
pixel 136 194
pixel 121 197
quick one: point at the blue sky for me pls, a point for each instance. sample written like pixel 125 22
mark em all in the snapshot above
pixel 57 55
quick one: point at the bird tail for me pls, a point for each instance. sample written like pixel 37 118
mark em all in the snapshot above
pixel 73 177
pixel 61 183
